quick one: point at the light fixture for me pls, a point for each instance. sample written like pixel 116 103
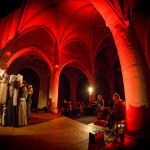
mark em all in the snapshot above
pixel 90 90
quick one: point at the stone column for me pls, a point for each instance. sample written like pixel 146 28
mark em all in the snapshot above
pixel 53 92
pixel 135 77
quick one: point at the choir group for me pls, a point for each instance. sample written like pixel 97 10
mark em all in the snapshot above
pixel 15 101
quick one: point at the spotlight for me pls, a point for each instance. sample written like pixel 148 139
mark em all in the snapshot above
pixel 90 90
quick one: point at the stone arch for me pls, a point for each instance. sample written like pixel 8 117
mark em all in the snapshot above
pixel 23 40
pixel 31 50
pixel 75 49
pixel 36 63
pixel 78 41
pixel 104 43
pixel 76 69
pixel 135 73
pixel 37 27
pixel 78 64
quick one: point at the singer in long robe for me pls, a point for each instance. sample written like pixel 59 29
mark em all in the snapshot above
pixel 29 101
pixel 10 105
pixel 22 113
pixel 3 96
pixel 15 102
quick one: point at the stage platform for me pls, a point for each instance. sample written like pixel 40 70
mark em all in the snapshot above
pixel 49 131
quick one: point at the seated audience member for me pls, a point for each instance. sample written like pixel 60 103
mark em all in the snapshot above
pixel 88 108
pixel 82 107
pixel 64 107
pixel 77 109
pixel 70 108
pixel 60 106
pixel 74 105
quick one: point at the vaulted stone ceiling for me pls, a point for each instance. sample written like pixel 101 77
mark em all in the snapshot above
pixel 64 30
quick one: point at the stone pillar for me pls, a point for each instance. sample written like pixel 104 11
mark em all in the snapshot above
pixel 136 77
pixel 53 92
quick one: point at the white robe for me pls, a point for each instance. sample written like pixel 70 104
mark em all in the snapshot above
pixel 3 90
pixel 15 97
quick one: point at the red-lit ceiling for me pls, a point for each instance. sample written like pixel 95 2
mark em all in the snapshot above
pixel 66 29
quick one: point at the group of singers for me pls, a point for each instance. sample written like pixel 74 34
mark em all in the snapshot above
pixel 15 101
